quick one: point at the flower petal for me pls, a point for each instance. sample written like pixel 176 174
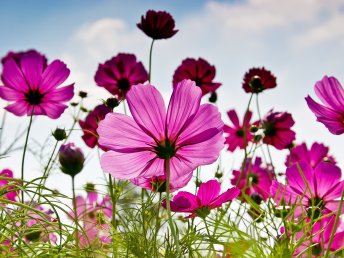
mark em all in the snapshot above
pixel 55 74
pixel 32 68
pixel 62 94
pixel 327 176
pixel 233 117
pixel 13 77
pixel 184 202
pixel 227 196
pixel 19 108
pixel 9 93
pixel 51 109
pixel 208 191
pixel 331 93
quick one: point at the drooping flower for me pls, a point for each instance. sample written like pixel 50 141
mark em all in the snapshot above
pixel 90 124
pixel 188 134
pixel 331 114
pixel 318 152
pixel 236 133
pixel 199 71
pixel 118 74
pixel 7 186
pixel 314 191
pixel 157 25
pixel 71 159
pixel 277 132
pixel 258 79
pixel 208 197
pixel 33 85
pixel 94 215
pixel 255 179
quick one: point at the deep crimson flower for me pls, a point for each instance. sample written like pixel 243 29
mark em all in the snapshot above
pixel 313 190
pixel 118 74
pixel 157 25
pixel 256 178
pixel 198 70
pixel 90 124
pixel 331 114
pixel 208 197
pixel 237 132
pixel 188 134
pixel 318 152
pixel 9 192
pixel 277 132
pixel 33 85
pixel 258 79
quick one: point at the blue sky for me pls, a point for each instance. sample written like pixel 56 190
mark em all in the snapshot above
pixel 298 40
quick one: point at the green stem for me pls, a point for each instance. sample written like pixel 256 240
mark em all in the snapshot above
pixel 113 219
pixel 157 226
pixel 75 218
pixel 24 152
pixel 2 127
pixel 150 61
pixel 168 206
pixel 206 226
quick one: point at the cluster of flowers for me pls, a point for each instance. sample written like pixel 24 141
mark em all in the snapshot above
pixel 158 148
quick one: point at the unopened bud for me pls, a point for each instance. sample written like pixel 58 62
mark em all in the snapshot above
pixel 82 94
pixel 71 159
pixel 213 97
pixel 59 134
pixel 112 103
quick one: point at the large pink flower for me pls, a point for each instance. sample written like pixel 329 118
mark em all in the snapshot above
pixel 188 134
pixel 33 85
pixel 208 197
pixel 236 133
pixel 331 114
pixel 314 191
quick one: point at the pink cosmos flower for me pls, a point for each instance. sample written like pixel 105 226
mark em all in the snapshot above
pixel 208 197
pixel 198 70
pixel 94 216
pixel 188 134
pixel 256 178
pixel 237 132
pixel 33 85
pixel 313 190
pixel 258 79
pixel 118 74
pixel 318 152
pixel 277 132
pixel 8 192
pixel 90 124
pixel 331 114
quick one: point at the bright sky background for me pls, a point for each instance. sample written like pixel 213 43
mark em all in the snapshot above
pixel 298 40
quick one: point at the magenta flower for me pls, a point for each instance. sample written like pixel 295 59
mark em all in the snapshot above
pixel 258 79
pixel 157 25
pixel 256 178
pixel 236 133
pixel 313 190
pixel 198 70
pixel 90 124
pixel 277 132
pixel 188 134
pixel 331 114
pixel 33 85
pixel 318 152
pixel 8 192
pixel 208 197
pixel 118 74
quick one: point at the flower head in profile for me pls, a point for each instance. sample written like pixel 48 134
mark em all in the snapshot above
pixel 255 179
pixel 315 191
pixel 318 152
pixel 8 190
pixel 277 129
pixel 257 80
pixel 157 25
pixel 90 124
pixel 239 135
pixel 331 113
pixel 118 74
pixel 33 85
pixel 208 197
pixel 199 71
pixel 188 134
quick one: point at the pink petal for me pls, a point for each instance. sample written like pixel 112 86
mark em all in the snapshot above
pixel 184 104
pixel 233 117
pixel 184 202
pixel 52 109
pixel 8 93
pixel 327 176
pixel 227 196
pixel 13 77
pixel 181 169
pixel 331 93
pixel 19 108
pixel 55 74
pixel 62 94
pixel 119 132
pixel 148 109
pixel 32 68
pixel 208 191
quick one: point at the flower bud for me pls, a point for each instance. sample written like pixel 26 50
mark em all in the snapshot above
pixel 213 97
pixel 71 159
pixel 112 103
pixel 82 94
pixel 59 134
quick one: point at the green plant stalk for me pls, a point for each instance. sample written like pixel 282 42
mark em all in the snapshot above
pixel 168 206
pixel 207 228
pixel 157 225
pixel 150 62
pixel 113 219
pixel 75 219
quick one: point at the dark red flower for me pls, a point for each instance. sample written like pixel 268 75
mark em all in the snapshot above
pixel 200 71
pixel 258 79
pixel 118 74
pixel 90 124
pixel 157 25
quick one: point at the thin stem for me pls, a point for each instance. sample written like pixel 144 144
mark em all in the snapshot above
pixel 168 206
pixel 150 61
pixel 75 218
pixel 206 226
pixel 113 219
pixel 24 152
pixel 2 127
pixel 143 214
pixel 157 225
pixel 124 107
